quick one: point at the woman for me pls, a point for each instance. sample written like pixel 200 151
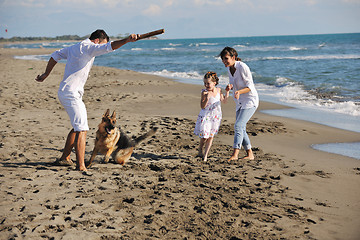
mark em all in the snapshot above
pixel 245 97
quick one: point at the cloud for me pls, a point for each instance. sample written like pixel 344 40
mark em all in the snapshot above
pixel 212 2
pixel 352 1
pixel 152 10
pixel 156 9
pixel 169 3
pixel 62 3
pixel 311 2
pixel 23 3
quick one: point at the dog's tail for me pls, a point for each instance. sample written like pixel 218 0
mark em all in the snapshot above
pixel 146 135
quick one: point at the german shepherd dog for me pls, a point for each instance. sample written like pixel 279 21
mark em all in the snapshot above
pixel 110 140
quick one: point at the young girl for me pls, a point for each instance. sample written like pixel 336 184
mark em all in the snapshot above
pixel 209 119
pixel 245 97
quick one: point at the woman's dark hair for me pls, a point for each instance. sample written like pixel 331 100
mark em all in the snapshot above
pixel 212 76
pixel 100 34
pixel 231 52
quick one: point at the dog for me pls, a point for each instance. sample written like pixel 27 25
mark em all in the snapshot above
pixel 112 141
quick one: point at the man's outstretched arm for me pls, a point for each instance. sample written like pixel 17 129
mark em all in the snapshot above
pixel 51 64
pixel 119 43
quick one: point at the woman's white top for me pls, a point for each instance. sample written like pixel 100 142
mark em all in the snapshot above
pixel 242 78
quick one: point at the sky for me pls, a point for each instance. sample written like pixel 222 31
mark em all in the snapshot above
pixel 179 18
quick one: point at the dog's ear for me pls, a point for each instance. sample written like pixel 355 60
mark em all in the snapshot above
pixel 107 113
pixel 113 114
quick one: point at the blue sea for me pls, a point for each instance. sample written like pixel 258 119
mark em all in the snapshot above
pixel 317 75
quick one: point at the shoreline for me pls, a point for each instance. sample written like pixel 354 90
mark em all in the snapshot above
pixel 290 191
pixel 2 44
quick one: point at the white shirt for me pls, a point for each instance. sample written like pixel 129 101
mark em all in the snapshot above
pixel 243 78
pixel 80 58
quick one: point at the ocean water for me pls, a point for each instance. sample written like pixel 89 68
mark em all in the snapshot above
pixel 317 75
pixel 346 149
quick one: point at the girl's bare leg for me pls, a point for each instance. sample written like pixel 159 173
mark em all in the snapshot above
pixel 235 155
pixel 202 142
pixel 207 147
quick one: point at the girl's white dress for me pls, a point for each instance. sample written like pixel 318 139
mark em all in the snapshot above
pixel 209 119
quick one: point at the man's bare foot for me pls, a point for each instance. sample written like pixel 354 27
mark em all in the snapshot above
pixel 81 169
pixel 86 173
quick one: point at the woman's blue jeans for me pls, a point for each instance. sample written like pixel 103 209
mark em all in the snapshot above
pixel 241 137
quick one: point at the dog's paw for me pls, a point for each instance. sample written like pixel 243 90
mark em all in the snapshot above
pixel 106 160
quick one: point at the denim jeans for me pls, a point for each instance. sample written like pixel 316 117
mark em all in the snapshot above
pixel 241 137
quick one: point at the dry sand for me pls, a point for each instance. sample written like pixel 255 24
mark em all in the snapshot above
pixel 289 191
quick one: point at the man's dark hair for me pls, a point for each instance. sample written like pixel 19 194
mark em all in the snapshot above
pixel 100 34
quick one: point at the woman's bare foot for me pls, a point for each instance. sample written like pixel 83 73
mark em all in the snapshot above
pixel 233 158
pixel 248 158
pixel 235 155
pixel 250 155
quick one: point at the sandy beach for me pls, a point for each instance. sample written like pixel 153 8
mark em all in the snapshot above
pixel 290 191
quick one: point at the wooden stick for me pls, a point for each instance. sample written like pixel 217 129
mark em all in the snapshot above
pixel 150 34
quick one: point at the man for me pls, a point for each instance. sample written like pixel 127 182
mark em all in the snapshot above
pixel 80 58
